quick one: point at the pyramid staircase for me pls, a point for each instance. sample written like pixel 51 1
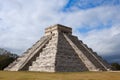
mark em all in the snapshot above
pixel 21 63
pixel 59 51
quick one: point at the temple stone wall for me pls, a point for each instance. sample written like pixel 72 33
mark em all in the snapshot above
pixel 59 51
pixel 66 58
pixel 94 58
pixel 46 60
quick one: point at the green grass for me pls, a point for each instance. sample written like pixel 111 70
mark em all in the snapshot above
pixel 6 75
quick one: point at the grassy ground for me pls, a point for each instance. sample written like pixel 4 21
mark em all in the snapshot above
pixel 4 75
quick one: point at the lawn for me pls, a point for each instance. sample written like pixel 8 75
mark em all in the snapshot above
pixel 6 75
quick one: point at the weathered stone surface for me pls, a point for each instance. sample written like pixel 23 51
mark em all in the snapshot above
pixel 59 51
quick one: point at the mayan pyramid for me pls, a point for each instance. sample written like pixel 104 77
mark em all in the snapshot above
pixel 59 51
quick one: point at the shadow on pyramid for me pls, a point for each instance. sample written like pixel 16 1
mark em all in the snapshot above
pixel 59 51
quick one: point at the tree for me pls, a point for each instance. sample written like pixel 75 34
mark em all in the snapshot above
pixel 115 66
pixel 6 58
pixel 5 61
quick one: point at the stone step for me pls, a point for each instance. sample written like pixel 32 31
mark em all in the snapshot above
pixel 50 48
pixel 51 44
pixel 29 53
pixel 102 60
pixel 37 44
pixel 11 65
pixel 50 58
pixel 91 57
pixel 82 56
pixel 48 54
pixel 47 51
pixel 52 41
pixel 42 59
pixel 43 68
pixel 43 64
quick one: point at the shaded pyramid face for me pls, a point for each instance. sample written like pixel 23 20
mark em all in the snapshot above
pixel 59 51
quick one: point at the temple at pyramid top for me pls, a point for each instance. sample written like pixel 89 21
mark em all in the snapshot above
pixel 58 28
pixel 59 51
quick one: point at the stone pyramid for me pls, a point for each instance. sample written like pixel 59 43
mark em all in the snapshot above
pixel 59 51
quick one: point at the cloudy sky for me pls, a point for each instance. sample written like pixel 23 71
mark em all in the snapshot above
pixel 96 22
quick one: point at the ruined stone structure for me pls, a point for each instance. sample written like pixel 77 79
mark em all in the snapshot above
pixel 59 51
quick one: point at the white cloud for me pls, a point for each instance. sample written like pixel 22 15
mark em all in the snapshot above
pixel 23 21
pixel 93 17
pixel 105 42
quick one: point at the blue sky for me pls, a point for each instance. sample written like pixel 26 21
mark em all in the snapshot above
pixel 96 22
pixel 87 4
